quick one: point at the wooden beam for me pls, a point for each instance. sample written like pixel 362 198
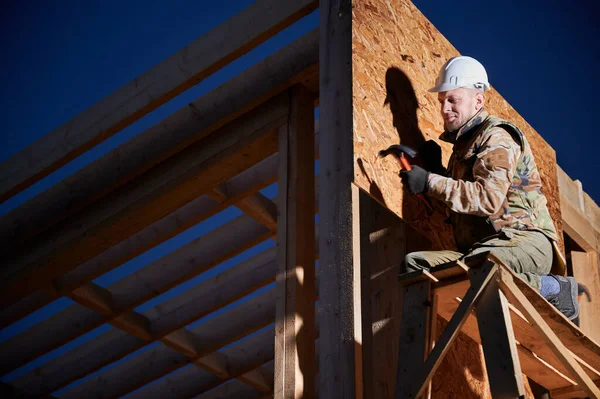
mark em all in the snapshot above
pixel 237 188
pixel 239 359
pixel 571 336
pixel 211 112
pixel 158 193
pixel 194 122
pixel 570 392
pixel 127 293
pixel 295 318
pixel 578 227
pixel 586 269
pixel 158 85
pixel 247 182
pixel 414 327
pixel 232 389
pixel 499 345
pixel 510 289
pixel 337 377
pixel 200 341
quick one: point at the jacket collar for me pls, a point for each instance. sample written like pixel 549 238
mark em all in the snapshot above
pixel 467 128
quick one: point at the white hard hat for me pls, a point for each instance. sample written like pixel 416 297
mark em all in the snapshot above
pixel 461 71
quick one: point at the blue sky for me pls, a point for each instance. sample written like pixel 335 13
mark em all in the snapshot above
pixel 61 57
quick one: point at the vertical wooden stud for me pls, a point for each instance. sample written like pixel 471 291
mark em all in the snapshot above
pixel 295 362
pixel 499 346
pixel 337 373
pixel 414 345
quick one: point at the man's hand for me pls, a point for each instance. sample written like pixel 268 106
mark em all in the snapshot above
pixel 415 180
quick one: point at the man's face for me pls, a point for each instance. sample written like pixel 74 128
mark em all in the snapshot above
pixel 458 106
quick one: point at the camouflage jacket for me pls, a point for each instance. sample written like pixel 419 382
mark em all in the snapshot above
pixel 492 182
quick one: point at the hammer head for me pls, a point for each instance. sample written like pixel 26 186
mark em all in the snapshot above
pixel 397 150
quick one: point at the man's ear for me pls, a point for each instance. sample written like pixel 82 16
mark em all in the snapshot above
pixel 479 100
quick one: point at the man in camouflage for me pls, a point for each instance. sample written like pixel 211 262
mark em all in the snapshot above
pixel 491 187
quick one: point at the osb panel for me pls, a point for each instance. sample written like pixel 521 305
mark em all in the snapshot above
pixel 462 373
pixel 397 54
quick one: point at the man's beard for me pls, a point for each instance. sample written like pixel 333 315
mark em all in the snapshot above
pixel 453 126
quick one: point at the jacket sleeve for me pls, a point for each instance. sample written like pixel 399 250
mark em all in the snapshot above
pixel 493 170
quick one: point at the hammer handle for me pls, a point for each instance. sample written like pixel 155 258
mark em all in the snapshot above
pixel 406 166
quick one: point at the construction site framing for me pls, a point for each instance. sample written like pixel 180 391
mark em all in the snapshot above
pixel 329 330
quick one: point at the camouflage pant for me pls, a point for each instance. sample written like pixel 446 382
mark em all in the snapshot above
pixel 528 253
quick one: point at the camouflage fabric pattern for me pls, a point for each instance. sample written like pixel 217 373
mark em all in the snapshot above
pixel 493 182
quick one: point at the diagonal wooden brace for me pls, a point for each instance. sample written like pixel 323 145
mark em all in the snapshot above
pixel 415 386
pixel 518 299
pixel 498 343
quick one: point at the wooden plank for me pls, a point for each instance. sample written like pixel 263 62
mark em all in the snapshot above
pixel 586 269
pixel 570 190
pixel 591 210
pixel 258 348
pixel 261 209
pixel 499 345
pixel 578 227
pixel 532 365
pixel 571 336
pixel 233 99
pixel 527 336
pixel 232 389
pixel 569 392
pixel 295 318
pixel 252 179
pixel 414 328
pixel 517 297
pixel 243 184
pixel 446 271
pixel 204 339
pixel 135 289
pixel 422 375
pixel 382 248
pixel 158 85
pixel 126 211
pixel 336 345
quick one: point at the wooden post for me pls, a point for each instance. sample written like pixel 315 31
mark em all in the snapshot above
pixel 337 374
pixel 295 363
pixel 414 343
pixel 499 346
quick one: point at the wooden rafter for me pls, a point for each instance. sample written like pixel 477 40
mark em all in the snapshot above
pixel 238 359
pixel 252 179
pixel 295 319
pixel 192 343
pixel 200 168
pixel 193 122
pixel 171 77
pixel 183 264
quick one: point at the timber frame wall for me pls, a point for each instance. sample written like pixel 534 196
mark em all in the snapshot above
pixel 332 334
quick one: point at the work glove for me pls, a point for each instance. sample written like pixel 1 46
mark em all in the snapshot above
pixel 415 179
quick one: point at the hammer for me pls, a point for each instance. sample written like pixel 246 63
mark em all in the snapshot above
pixel 398 150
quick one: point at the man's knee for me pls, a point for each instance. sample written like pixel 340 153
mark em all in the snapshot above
pixel 414 261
